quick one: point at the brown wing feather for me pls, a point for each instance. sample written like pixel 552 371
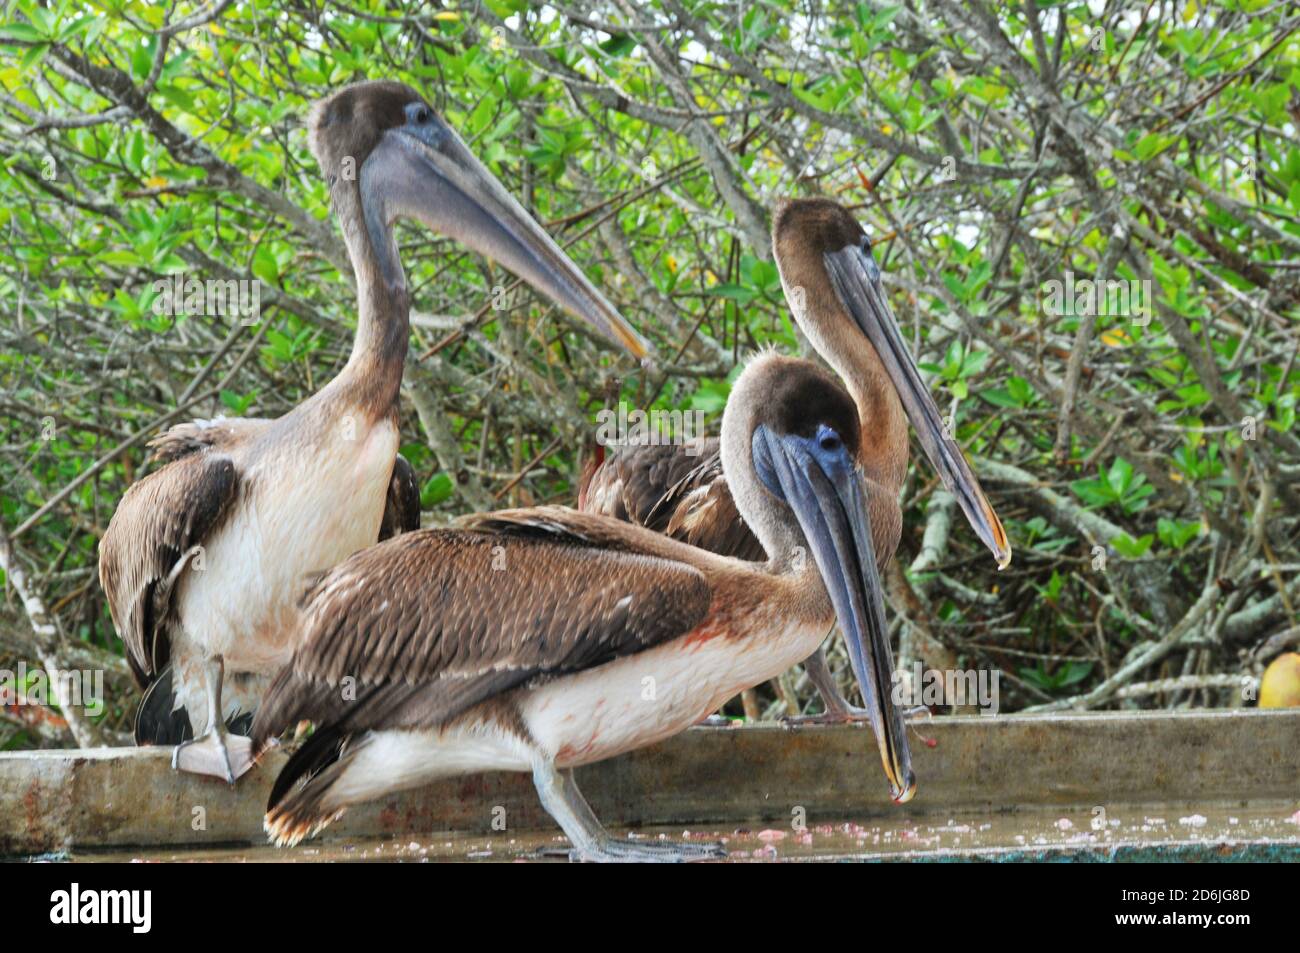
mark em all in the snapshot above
pixel 159 520
pixel 630 483
pixel 685 496
pixel 433 622
pixel 402 507
pixel 194 436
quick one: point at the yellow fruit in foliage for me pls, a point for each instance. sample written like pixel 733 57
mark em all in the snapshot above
pixel 1280 686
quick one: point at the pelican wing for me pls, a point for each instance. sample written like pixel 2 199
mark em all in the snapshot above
pixel 670 491
pixel 196 436
pixel 629 484
pixel 402 507
pixel 159 522
pixel 415 631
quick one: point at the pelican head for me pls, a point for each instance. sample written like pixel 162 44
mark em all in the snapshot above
pixel 790 444
pixel 841 306
pixel 387 155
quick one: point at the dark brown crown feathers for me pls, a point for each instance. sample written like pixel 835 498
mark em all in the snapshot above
pixel 803 395
pixel 351 122
pixel 818 225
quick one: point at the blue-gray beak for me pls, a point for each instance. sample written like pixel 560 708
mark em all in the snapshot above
pixel 827 498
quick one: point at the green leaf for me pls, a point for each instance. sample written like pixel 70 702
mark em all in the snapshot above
pixel 135 148
pixel 618 46
pixel 1176 534
pixel 439 487
pixel 999 397
pixel 734 292
pixel 239 405
pixel 120 258
pixel 710 396
pixel 1093 492
pixel 177 97
pixel 23 32
pixel 1153 144
pixel 1021 390
pixel 265 266
pixel 1075 672
pixel 142 60
pixel 77 26
pixel 33 56
pixel 1120 476
pixel 42 18
pixel 1131 548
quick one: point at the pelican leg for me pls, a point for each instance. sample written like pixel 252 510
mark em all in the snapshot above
pixel 838 711
pixel 591 842
pixel 217 752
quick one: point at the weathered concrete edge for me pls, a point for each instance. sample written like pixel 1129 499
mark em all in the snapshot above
pixel 1229 851
pixel 56 800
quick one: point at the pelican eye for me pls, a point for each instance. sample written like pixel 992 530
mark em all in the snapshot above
pixel 422 115
pixel 829 440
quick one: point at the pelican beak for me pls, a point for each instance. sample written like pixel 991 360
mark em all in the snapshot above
pixel 826 493
pixel 856 278
pixel 423 170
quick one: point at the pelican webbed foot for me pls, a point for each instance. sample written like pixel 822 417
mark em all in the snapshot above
pixel 591 842
pixel 217 752
pixel 616 851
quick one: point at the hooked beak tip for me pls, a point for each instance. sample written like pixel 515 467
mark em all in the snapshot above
pixel 907 792
pixel 616 329
pixel 1001 546
pixel 638 350
pixel 904 792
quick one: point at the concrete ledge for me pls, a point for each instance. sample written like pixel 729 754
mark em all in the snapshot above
pixel 112 798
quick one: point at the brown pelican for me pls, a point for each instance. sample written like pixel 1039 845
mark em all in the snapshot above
pixel 833 284
pixel 205 558
pixel 544 639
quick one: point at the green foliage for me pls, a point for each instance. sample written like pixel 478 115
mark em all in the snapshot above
pixel 437 489
pixel 1119 486
pixel 1176 534
pixel 1059 679
pixel 959 364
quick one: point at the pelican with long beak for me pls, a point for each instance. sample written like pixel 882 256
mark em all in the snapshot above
pixel 204 561
pixel 832 283
pixel 541 640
